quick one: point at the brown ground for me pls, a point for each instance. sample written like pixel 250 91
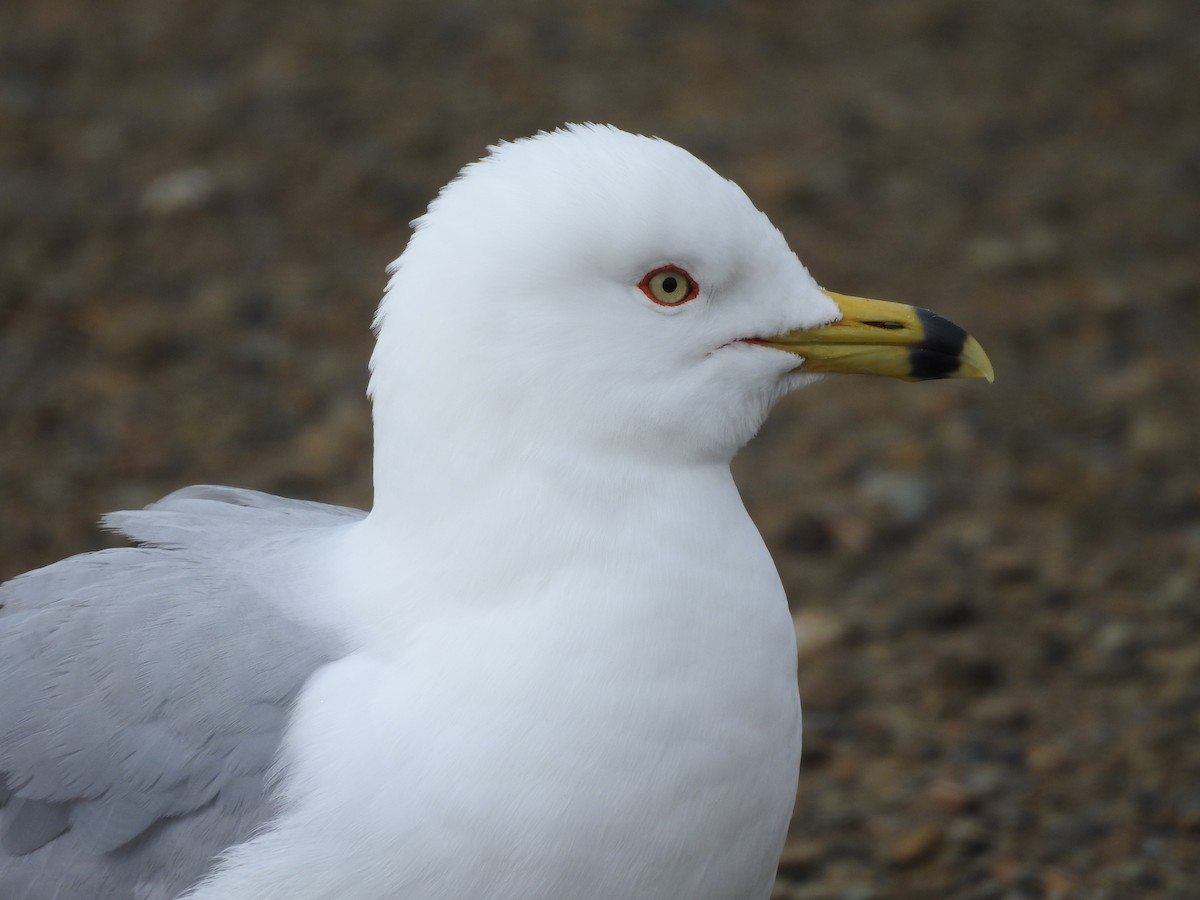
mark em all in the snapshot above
pixel 997 589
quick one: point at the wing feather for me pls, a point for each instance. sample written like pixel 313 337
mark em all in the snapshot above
pixel 144 692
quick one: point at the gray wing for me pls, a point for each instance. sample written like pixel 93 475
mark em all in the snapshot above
pixel 143 695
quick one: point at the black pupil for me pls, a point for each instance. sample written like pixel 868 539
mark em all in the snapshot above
pixel 669 284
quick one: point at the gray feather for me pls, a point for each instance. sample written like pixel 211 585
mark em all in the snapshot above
pixel 143 696
pixel 28 824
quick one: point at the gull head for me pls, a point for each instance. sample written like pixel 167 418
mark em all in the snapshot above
pixel 592 288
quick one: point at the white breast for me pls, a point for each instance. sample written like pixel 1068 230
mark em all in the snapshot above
pixel 611 714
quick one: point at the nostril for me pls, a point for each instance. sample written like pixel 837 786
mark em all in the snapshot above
pixel 887 326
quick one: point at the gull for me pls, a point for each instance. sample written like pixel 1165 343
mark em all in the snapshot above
pixel 553 660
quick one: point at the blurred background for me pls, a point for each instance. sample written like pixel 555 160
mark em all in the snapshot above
pixel 996 589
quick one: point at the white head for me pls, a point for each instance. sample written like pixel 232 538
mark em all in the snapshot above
pixel 521 311
pixel 517 302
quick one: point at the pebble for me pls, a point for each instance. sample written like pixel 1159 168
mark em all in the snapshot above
pixel 916 846
pixel 817 631
pixel 177 192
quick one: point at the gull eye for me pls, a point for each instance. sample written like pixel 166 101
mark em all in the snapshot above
pixel 669 286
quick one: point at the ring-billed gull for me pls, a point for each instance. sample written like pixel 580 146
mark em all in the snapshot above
pixel 554 659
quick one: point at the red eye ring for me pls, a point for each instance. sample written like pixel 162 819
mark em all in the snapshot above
pixel 669 285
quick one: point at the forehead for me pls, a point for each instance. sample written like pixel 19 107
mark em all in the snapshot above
pixel 605 197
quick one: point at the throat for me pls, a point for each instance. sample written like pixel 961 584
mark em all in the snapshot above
pixel 536 527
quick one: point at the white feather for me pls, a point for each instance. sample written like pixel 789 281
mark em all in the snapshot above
pixel 565 664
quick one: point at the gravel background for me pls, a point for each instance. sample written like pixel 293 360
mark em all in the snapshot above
pixel 997 589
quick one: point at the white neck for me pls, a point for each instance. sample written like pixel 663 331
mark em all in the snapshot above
pixel 458 526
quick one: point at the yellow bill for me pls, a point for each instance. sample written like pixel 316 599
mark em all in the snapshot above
pixel 876 337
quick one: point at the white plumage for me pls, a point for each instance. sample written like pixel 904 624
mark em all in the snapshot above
pixel 554 660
